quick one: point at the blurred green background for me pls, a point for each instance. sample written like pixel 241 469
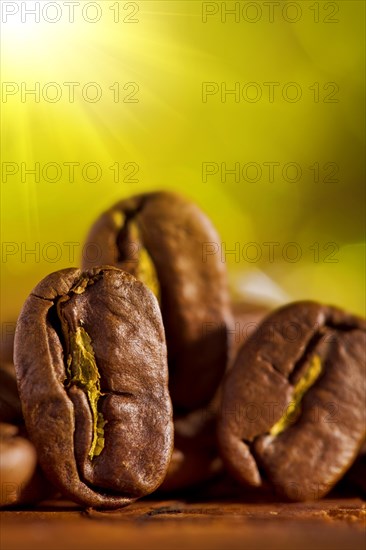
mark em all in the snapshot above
pixel 148 114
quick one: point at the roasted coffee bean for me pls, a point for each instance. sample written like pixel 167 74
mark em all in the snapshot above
pixel 7 341
pixel 17 464
pixel 91 364
pixel 10 407
pixel 293 411
pixel 246 319
pixel 22 481
pixel 356 475
pixel 195 458
pixel 168 243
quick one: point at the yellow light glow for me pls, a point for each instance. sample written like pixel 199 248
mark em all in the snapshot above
pixel 144 62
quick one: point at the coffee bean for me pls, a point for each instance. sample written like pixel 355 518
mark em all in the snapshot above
pixel 168 243
pixel 246 319
pixel 17 464
pixel 10 407
pixel 90 357
pixel 356 475
pixel 7 341
pixel 196 458
pixel 293 409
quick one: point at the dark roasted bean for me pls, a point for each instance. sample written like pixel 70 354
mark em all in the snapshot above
pixel 91 364
pixel 168 243
pixel 293 408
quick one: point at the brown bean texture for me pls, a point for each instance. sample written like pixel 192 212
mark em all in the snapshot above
pixel 17 464
pixel 196 457
pixel 7 342
pixel 91 364
pixel 246 319
pixel 10 406
pixel 167 242
pixel 293 409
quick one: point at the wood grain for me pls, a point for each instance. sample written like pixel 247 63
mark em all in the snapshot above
pixel 177 524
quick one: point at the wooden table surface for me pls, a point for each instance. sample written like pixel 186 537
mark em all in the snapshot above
pixel 337 523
